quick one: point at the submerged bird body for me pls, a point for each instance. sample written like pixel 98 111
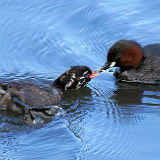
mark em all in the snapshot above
pixel 136 64
pixel 42 101
pixel 33 94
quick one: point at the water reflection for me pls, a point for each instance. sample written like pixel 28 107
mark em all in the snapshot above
pixel 77 105
pixel 79 97
pixel 133 94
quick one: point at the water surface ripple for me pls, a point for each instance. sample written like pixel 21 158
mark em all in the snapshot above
pixel 106 120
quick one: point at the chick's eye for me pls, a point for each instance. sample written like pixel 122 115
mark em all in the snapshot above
pixel 82 79
pixel 82 82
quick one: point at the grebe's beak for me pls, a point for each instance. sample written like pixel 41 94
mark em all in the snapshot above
pixel 107 65
pixel 94 74
pixel 112 64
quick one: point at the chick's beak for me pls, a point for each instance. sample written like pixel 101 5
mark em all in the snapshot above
pixel 94 74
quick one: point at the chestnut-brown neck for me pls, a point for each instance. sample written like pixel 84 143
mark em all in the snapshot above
pixel 131 57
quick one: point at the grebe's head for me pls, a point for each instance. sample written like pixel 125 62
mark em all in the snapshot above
pixel 74 78
pixel 124 54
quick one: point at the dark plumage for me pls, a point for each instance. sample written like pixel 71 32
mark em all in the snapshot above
pixel 37 101
pixel 136 64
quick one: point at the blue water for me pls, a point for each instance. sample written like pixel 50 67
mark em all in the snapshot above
pixel 106 120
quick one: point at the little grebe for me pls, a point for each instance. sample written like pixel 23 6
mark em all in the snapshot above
pixel 136 64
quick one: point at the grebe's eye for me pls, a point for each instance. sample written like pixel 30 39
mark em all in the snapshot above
pixel 116 59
